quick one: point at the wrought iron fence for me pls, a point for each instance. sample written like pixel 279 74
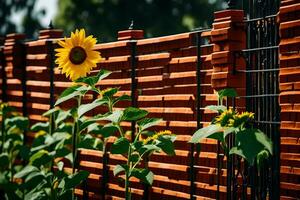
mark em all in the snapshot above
pixel 262 91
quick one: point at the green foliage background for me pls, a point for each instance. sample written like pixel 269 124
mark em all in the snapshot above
pixel 30 22
pixel 104 18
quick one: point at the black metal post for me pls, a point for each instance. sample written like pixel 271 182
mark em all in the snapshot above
pixel 198 106
pixel 133 82
pixel 51 71
pixel 23 77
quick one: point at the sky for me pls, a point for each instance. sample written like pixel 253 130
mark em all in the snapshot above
pixel 49 5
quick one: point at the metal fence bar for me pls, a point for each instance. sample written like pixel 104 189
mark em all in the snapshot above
pixel 198 105
pixel 23 76
pixel 199 43
pixel 133 87
pixel 50 50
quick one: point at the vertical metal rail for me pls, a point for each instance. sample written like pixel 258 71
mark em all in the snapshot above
pixel 51 73
pixel 198 106
pixel 133 88
pixel 192 172
pixel 133 81
pixel 23 77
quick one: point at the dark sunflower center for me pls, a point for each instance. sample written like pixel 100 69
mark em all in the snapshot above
pixel 77 55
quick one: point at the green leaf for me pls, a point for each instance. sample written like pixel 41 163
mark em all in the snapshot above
pixel 134 157
pixel 264 140
pixel 120 146
pixel 85 123
pixel 93 80
pixel 40 158
pixel 65 127
pixel 120 168
pixel 25 171
pixel 4 160
pixel 109 92
pixel 90 106
pixel 147 123
pixel 228 92
pixel 20 122
pixel 149 148
pixel 229 130
pixel 261 157
pixel 217 136
pixel 59 136
pixel 144 175
pixel 89 142
pixel 114 117
pixel 51 111
pixel 62 116
pixel 105 131
pixel 167 145
pixel 40 126
pixel 121 98
pixel 71 92
pixel 218 109
pixel 61 152
pixel 60 165
pixel 69 157
pixel 134 114
pixel 36 195
pixel 249 143
pixel 205 133
pixel 73 180
pixel 24 152
pixel 33 179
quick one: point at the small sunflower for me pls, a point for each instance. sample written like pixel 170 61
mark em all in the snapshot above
pixel 225 118
pixel 243 118
pixel 156 135
pixel 76 57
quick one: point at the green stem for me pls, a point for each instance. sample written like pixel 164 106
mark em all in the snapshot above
pixel 75 142
pixel 11 166
pixel 127 176
pixel 2 133
pixel 120 130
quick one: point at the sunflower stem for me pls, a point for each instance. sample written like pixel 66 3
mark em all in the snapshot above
pixel 74 142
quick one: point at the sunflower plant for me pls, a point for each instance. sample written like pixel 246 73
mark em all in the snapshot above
pixel 249 142
pixel 45 175
pixel 13 127
pixel 76 58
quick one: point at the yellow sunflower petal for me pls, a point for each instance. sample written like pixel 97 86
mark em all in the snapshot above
pixel 76 58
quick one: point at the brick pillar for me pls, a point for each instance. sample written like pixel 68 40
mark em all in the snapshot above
pixel 14 55
pixel 50 34
pixel 289 99
pixel 130 35
pixel 229 38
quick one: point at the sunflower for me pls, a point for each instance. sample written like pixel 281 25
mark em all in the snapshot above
pixel 225 118
pixel 156 136
pixel 76 57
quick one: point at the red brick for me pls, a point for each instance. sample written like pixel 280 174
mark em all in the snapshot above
pixel 130 34
pixel 50 33
pixel 237 14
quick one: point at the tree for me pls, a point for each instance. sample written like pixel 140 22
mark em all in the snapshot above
pixel 156 17
pixel 30 21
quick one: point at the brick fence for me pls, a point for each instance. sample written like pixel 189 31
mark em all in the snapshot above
pixel 165 84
